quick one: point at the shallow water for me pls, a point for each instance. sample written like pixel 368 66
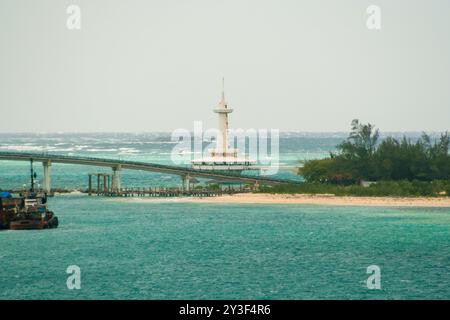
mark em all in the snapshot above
pixel 168 250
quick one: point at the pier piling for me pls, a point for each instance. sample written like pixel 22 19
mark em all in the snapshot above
pixel 47 176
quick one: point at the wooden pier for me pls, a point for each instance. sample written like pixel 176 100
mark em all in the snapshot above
pixel 106 187
pixel 163 193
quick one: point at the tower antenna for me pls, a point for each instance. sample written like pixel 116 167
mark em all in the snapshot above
pixel 223 91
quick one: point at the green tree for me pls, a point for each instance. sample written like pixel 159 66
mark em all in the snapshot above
pixel 360 156
pixel 316 170
pixel 359 148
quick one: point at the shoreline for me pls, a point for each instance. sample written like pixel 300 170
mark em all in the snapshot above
pixel 321 199
pixel 284 198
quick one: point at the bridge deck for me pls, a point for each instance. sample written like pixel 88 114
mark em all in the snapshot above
pixel 136 165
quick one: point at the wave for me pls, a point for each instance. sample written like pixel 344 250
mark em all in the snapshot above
pixel 27 147
pixel 101 150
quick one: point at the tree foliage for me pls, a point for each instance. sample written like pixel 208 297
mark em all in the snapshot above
pixel 362 157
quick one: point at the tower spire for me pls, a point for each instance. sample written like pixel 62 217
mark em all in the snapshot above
pixel 222 101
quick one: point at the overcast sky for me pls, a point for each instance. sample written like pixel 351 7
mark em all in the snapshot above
pixel 156 65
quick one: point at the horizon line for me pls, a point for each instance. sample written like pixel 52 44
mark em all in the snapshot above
pixel 169 132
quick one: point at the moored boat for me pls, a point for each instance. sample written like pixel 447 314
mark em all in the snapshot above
pixel 28 211
pixel 34 215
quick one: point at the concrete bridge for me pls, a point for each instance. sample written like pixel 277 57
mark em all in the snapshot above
pixel 118 165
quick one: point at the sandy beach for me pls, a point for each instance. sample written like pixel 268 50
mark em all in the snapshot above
pixel 327 199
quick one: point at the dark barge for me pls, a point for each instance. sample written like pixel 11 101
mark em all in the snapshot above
pixel 27 211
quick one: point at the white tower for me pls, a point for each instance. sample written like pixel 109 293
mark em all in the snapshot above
pixel 223 157
pixel 222 148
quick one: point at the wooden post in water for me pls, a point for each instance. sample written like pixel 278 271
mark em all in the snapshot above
pixel 90 185
pixel 109 184
pixel 103 183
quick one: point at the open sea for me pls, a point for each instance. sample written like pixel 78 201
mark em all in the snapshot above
pixel 166 249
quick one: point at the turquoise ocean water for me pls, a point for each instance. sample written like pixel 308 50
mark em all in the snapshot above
pixel 135 249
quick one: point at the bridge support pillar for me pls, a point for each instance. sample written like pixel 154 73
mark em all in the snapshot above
pixel 188 183
pixel 185 183
pixel 90 184
pixel 47 182
pixel 117 180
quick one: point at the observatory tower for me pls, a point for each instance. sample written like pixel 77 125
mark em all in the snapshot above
pixel 223 157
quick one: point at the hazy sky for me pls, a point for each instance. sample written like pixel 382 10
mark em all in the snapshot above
pixel 156 65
